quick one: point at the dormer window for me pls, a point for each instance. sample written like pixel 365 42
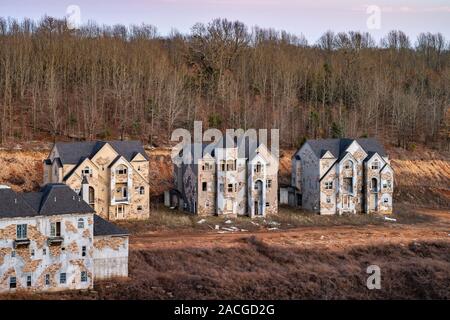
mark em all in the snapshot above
pixel 86 171
pixel 121 169
pixel 375 165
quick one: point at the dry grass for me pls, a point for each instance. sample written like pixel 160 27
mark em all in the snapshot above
pixel 163 218
pixel 256 270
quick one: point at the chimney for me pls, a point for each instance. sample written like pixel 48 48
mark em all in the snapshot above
pixel 85 189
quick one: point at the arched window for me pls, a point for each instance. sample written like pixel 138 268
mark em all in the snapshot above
pixel 141 190
pixel 348 164
pixel 80 223
pixel 374 185
pixel 122 169
pixel 91 196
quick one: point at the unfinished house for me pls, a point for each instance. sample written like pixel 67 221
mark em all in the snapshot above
pixel 111 176
pixel 332 176
pixel 51 240
pixel 223 182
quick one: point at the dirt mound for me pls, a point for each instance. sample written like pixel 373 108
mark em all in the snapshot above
pixel 22 170
pixel 422 182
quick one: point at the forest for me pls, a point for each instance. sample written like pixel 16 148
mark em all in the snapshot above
pixel 123 82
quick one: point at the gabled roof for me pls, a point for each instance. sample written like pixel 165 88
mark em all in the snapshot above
pixel 224 142
pixel 114 161
pixel 72 152
pixel 53 199
pixel 106 228
pixel 370 155
pixel 57 198
pixel 68 174
pixel 58 161
pixel 338 146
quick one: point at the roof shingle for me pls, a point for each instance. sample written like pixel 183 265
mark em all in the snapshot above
pixel 73 152
pixel 53 199
pixel 338 146
pixel 106 228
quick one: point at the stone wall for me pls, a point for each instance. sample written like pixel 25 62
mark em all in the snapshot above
pixel 110 257
pixel 40 258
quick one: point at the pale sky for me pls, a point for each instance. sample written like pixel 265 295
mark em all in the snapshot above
pixel 311 18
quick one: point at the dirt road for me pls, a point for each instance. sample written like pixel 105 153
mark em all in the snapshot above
pixel 334 237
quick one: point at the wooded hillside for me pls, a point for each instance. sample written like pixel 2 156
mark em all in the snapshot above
pixel 116 82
